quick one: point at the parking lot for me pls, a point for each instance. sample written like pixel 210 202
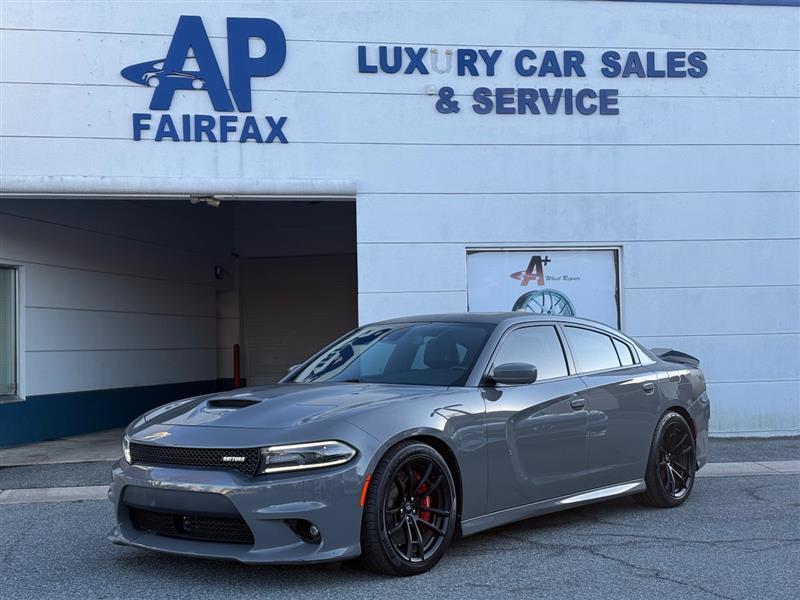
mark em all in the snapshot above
pixel 737 537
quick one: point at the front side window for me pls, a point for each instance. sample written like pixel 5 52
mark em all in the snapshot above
pixel 592 351
pixel 8 331
pixel 441 354
pixel 538 346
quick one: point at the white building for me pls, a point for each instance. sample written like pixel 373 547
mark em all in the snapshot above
pixel 670 166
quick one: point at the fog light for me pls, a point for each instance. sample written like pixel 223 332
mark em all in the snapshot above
pixel 305 530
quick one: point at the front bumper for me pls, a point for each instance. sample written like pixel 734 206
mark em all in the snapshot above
pixel 329 498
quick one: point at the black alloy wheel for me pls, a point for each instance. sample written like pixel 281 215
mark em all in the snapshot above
pixel 410 511
pixel 671 464
pixel 675 456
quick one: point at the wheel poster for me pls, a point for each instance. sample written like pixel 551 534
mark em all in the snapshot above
pixel 570 282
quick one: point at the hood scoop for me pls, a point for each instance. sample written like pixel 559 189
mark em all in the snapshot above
pixel 232 403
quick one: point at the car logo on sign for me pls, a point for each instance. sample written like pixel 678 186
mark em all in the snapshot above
pixel 190 41
pixel 233 458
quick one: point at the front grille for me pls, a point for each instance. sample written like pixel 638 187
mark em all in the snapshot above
pixel 209 458
pixel 209 529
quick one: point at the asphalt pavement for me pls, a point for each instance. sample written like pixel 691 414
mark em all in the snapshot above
pixel 736 538
pixel 68 474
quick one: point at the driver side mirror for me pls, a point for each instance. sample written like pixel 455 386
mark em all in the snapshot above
pixel 513 374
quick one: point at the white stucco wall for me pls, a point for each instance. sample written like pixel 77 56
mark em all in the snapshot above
pixel 696 179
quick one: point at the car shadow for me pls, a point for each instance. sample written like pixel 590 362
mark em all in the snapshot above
pixel 600 512
pixel 180 570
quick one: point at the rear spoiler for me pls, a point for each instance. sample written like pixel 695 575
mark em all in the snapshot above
pixel 676 356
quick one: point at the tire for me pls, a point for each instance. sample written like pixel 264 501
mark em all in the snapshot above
pixel 670 464
pixel 411 496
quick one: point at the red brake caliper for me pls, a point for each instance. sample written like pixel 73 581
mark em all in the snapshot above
pixel 426 502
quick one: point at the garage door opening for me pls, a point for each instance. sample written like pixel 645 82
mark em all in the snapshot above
pixel 112 306
pixel 297 281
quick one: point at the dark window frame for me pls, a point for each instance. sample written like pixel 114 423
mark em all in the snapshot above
pixel 615 341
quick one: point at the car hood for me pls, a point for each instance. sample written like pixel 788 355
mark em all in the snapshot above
pixel 286 405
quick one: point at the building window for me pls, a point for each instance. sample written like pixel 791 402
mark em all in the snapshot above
pixel 8 331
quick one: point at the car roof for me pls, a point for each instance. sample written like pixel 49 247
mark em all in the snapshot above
pixel 473 317
pixel 492 318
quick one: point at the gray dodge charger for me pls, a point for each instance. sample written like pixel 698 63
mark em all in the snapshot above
pixel 405 434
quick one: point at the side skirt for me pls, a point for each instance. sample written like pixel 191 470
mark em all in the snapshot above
pixel 518 513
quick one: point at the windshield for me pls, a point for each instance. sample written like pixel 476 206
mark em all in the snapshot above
pixel 417 354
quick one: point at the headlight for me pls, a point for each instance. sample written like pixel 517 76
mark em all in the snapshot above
pixel 126 448
pixel 296 457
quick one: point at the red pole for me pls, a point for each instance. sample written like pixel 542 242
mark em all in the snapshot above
pixel 237 375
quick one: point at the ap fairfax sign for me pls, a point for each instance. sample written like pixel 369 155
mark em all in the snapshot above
pixel 169 74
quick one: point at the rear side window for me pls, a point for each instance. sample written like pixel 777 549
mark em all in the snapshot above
pixel 538 346
pixel 593 351
pixel 624 353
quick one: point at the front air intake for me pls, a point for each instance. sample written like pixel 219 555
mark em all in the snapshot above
pixel 193 527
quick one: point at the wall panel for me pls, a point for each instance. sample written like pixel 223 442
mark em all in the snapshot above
pixel 680 120
pixel 481 218
pixel 751 28
pixel 60 372
pixel 67 288
pixel 459 169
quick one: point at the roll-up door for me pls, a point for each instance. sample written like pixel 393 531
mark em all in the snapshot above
pixel 292 307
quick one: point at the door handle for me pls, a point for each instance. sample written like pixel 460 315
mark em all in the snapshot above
pixel 649 387
pixel 578 403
